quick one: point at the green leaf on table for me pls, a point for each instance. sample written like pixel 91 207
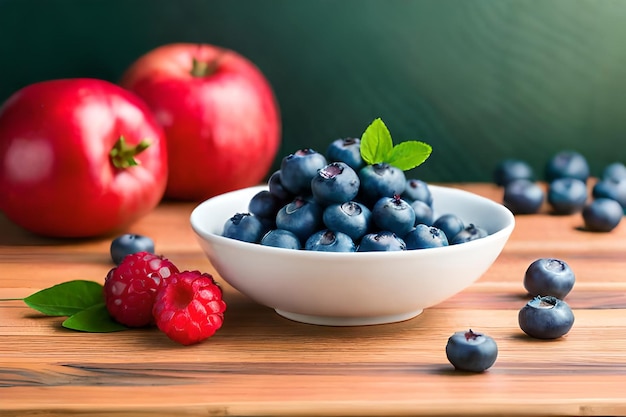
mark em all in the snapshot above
pixel 407 155
pixel 94 319
pixel 66 299
pixel 376 142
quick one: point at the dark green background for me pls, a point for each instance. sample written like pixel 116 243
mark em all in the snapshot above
pixel 480 80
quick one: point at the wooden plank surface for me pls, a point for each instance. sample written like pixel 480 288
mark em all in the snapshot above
pixel 260 364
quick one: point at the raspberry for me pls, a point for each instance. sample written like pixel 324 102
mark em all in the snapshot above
pixel 130 288
pixel 189 308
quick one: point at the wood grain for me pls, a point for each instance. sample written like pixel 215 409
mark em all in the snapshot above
pixel 260 364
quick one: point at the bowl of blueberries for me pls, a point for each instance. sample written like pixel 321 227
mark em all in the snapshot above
pixel 334 240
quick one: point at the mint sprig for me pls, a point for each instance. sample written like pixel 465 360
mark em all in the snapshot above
pixel 377 147
pixel 81 301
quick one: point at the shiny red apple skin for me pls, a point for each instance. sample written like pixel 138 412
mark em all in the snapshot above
pixel 223 127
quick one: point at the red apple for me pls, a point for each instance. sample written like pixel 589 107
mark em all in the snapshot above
pixel 219 114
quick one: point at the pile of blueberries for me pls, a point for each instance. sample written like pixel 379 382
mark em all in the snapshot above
pixel 567 176
pixel 335 202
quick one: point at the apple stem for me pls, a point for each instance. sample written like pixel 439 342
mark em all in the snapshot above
pixel 123 155
pixel 201 69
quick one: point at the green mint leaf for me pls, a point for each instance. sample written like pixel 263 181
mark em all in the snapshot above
pixel 67 298
pixel 94 319
pixel 407 155
pixel 376 143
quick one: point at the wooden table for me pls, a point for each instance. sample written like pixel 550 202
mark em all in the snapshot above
pixel 261 364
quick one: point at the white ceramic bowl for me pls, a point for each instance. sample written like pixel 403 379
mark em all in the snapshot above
pixel 359 288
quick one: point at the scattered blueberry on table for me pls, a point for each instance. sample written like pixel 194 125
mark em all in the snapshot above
pixel 511 169
pixel 602 215
pixel 615 171
pixel 523 196
pixel 471 351
pixel 549 276
pixel 546 317
pixel 567 164
pixel 615 189
pixel 130 243
pixel 567 195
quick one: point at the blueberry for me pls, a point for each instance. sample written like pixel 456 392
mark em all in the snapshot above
pixel 393 214
pixel 346 150
pixel 567 164
pixel 469 233
pixel 329 241
pixel 264 205
pixel 276 188
pixel 351 218
pixel 381 180
pixel 546 317
pixel 512 169
pixel 613 189
pixel 335 183
pixel 615 171
pixel 280 238
pixel 417 190
pixel 602 215
pixel 298 169
pixel 567 195
pixel 423 212
pixel 424 237
pixel 471 351
pixel 549 276
pixel 245 227
pixel 450 224
pixel 302 217
pixel 128 244
pixel 523 197
pixel 382 241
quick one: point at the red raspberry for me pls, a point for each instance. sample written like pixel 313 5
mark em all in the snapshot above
pixel 130 288
pixel 189 308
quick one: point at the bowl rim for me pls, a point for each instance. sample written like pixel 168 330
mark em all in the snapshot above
pixel 203 233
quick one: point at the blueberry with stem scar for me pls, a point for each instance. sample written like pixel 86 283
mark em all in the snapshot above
pixel 546 317
pixel 471 351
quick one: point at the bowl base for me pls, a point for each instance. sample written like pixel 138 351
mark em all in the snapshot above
pixel 348 321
